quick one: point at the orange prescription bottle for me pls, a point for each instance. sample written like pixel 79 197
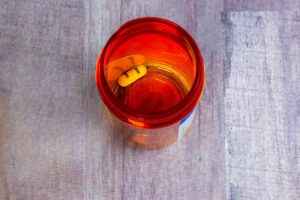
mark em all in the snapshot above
pixel 150 75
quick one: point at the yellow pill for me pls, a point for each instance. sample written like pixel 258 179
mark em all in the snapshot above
pixel 132 75
pixel 119 66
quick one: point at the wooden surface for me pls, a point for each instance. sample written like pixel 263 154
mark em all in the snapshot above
pixel 55 138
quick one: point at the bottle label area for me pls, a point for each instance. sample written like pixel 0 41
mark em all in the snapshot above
pixel 185 124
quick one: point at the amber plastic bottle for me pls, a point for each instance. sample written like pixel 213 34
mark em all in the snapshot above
pixel 158 108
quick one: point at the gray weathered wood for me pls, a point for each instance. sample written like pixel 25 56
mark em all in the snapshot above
pixel 41 99
pixel 262 102
pixel 55 138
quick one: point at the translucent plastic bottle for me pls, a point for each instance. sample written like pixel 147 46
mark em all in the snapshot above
pixel 150 76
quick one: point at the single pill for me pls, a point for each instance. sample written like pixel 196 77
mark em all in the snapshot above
pixel 132 75
pixel 117 67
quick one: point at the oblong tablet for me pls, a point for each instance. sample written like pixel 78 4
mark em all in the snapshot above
pixel 132 75
pixel 117 67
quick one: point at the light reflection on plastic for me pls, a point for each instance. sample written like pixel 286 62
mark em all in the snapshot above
pixel 140 138
pixel 139 124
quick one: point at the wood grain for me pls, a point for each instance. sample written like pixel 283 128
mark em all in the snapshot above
pixel 41 95
pixel 56 141
pixel 262 105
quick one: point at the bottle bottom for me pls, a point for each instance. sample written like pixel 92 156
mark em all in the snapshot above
pixel 160 89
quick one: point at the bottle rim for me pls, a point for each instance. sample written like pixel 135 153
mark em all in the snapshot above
pixel 159 119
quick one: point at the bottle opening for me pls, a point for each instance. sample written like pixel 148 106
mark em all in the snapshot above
pixel 150 74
